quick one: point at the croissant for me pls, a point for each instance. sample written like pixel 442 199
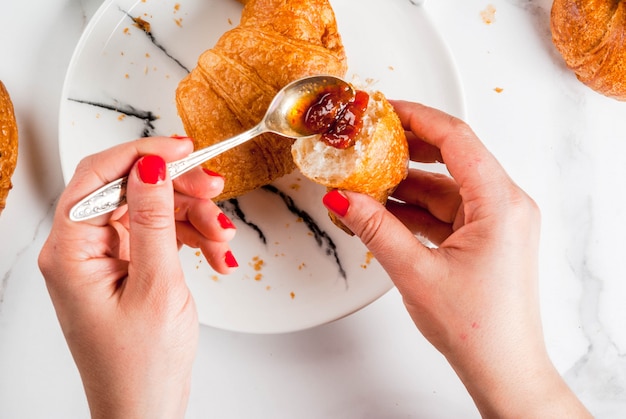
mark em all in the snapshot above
pixel 374 164
pixel 591 37
pixel 8 144
pixel 228 92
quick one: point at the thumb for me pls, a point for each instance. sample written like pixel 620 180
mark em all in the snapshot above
pixel 153 245
pixel 390 241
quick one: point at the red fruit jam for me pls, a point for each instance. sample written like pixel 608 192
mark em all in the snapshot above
pixel 335 113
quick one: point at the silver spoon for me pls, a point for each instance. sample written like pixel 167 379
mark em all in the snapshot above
pixel 276 120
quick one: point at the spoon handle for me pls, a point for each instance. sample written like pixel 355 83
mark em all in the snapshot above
pixel 113 195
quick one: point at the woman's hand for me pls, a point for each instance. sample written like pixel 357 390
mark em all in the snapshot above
pixel 117 284
pixel 474 293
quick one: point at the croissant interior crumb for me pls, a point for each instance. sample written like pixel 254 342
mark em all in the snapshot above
pixel 327 164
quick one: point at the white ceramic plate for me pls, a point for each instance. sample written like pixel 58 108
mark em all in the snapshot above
pixel 297 270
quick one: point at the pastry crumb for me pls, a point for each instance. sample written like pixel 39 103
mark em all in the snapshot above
pixel 369 256
pixel 488 15
pixel 144 25
pixel 257 263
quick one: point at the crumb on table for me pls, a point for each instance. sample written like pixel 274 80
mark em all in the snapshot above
pixel 488 15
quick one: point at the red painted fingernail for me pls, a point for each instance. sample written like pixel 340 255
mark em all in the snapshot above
pixel 336 202
pixel 225 221
pixel 180 137
pixel 230 260
pixel 151 169
pixel 211 173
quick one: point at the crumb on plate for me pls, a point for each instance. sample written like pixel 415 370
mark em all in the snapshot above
pixel 488 15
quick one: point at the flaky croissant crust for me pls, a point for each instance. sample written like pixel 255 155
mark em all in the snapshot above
pixel 591 37
pixel 8 144
pixel 276 42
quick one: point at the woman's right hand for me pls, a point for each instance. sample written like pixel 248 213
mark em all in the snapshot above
pixel 474 294
pixel 117 283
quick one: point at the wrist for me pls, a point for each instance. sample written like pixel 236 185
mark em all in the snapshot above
pixel 147 403
pixel 526 387
pixel 136 392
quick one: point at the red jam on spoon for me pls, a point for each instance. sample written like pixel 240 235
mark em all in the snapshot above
pixel 335 113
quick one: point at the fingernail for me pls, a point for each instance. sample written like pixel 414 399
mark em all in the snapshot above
pixel 151 169
pixel 225 221
pixel 230 260
pixel 336 202
pixel 211 173
pixel 180 137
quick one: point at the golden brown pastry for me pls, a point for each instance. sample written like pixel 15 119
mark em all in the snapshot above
pixel 276 42
pixel 374 165
pixel 590 35
pixel 8 144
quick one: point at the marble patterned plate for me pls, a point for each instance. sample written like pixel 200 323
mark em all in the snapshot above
pixel 297 270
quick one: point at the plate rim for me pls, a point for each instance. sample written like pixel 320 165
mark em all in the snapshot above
pixel 460 112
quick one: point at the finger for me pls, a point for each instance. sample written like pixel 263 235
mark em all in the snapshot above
pixel 374 225
pixel 193 204
pixel 478 173
pixel 217 253
pixel 419 150
pixel 420 222
pixel 205 217
pixel 83 253
pixel 99 169
pixel 200 183
pixel 77 247
pixel 435 192
pixel 422 152
pixel 153 248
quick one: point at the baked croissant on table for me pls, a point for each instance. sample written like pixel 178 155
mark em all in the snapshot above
pixel 8 144
pixel 591 37
pixel 276 42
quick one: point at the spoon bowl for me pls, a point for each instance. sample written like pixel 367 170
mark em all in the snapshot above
pixel 283 117
pixel 285 113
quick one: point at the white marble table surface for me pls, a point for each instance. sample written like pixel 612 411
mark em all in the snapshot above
pixel 563 143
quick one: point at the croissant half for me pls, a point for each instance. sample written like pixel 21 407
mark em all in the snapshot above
pixel 8 144
pixel 591 37
pixel 374 165
pixel 276 42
